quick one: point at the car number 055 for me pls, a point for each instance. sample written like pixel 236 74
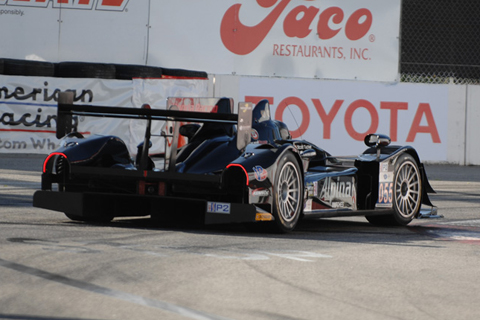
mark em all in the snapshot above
pixel 385 193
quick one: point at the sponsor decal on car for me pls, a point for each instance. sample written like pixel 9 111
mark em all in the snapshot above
pixel 301 146
pixel 312 188
pixel 261 193
pixel 338 192
pixel 260 173
pixel 254 134
pixel 384 167
pixel 385 185
pixel 218 207
pixel 307 205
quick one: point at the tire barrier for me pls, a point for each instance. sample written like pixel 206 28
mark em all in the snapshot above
pixel 128 72
pixel 73 69
pixel 181 73
pixel 14 67
pixel 85 70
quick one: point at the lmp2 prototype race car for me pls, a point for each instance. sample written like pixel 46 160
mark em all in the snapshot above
pixel 220 167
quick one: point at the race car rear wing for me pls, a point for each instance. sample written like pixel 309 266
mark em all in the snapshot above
pixel 66 110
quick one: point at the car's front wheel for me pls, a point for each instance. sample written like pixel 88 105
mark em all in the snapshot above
pixel 288 197
pixel 407 193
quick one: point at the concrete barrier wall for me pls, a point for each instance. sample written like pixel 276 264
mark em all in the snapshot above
pixel 472 123
pixel 457 102
pixel 463 122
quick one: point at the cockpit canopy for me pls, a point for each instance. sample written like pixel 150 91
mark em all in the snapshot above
pixel 264 129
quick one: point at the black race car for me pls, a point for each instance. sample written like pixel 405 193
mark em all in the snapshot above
pixel 220 167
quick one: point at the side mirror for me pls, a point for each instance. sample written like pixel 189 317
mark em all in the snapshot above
pixel 377 140
pixel 189 130
pixel 308 154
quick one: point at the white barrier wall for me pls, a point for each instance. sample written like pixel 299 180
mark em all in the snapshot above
pixel 440 121
pixel 457 103
pixel 472 132
pixel 463 128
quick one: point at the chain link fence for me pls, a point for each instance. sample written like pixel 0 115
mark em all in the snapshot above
pixel 440 41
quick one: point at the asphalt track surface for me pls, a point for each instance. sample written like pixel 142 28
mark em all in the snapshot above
pixel 54 268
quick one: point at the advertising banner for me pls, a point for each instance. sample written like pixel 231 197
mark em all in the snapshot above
pixel 324 39
pixel 336 115
pixel 28 109
pixel 110 31
pixel 285 38
pixel 28 33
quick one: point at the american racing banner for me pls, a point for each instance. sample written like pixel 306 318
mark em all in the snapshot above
pixel 28 107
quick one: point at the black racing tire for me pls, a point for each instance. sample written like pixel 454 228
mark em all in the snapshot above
pixel 288 194
pixel 182 73
pixel 407 194
pixel 16 67
pixel 100 219
pixel 128 72
pixel 85 70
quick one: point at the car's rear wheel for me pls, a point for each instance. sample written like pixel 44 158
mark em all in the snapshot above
pixel 288 197
pixel 407 193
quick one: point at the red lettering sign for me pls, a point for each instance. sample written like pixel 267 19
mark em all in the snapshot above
pixel 327 118
pixel 335 14
pixel 359 136
pixel 299 28
pixel 431 127
pixel 241 39
pixel 423 111
pixel 303 108
pixel 394 107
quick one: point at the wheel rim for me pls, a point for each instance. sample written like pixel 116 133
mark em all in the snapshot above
pixel 288 192
pixel 407 189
